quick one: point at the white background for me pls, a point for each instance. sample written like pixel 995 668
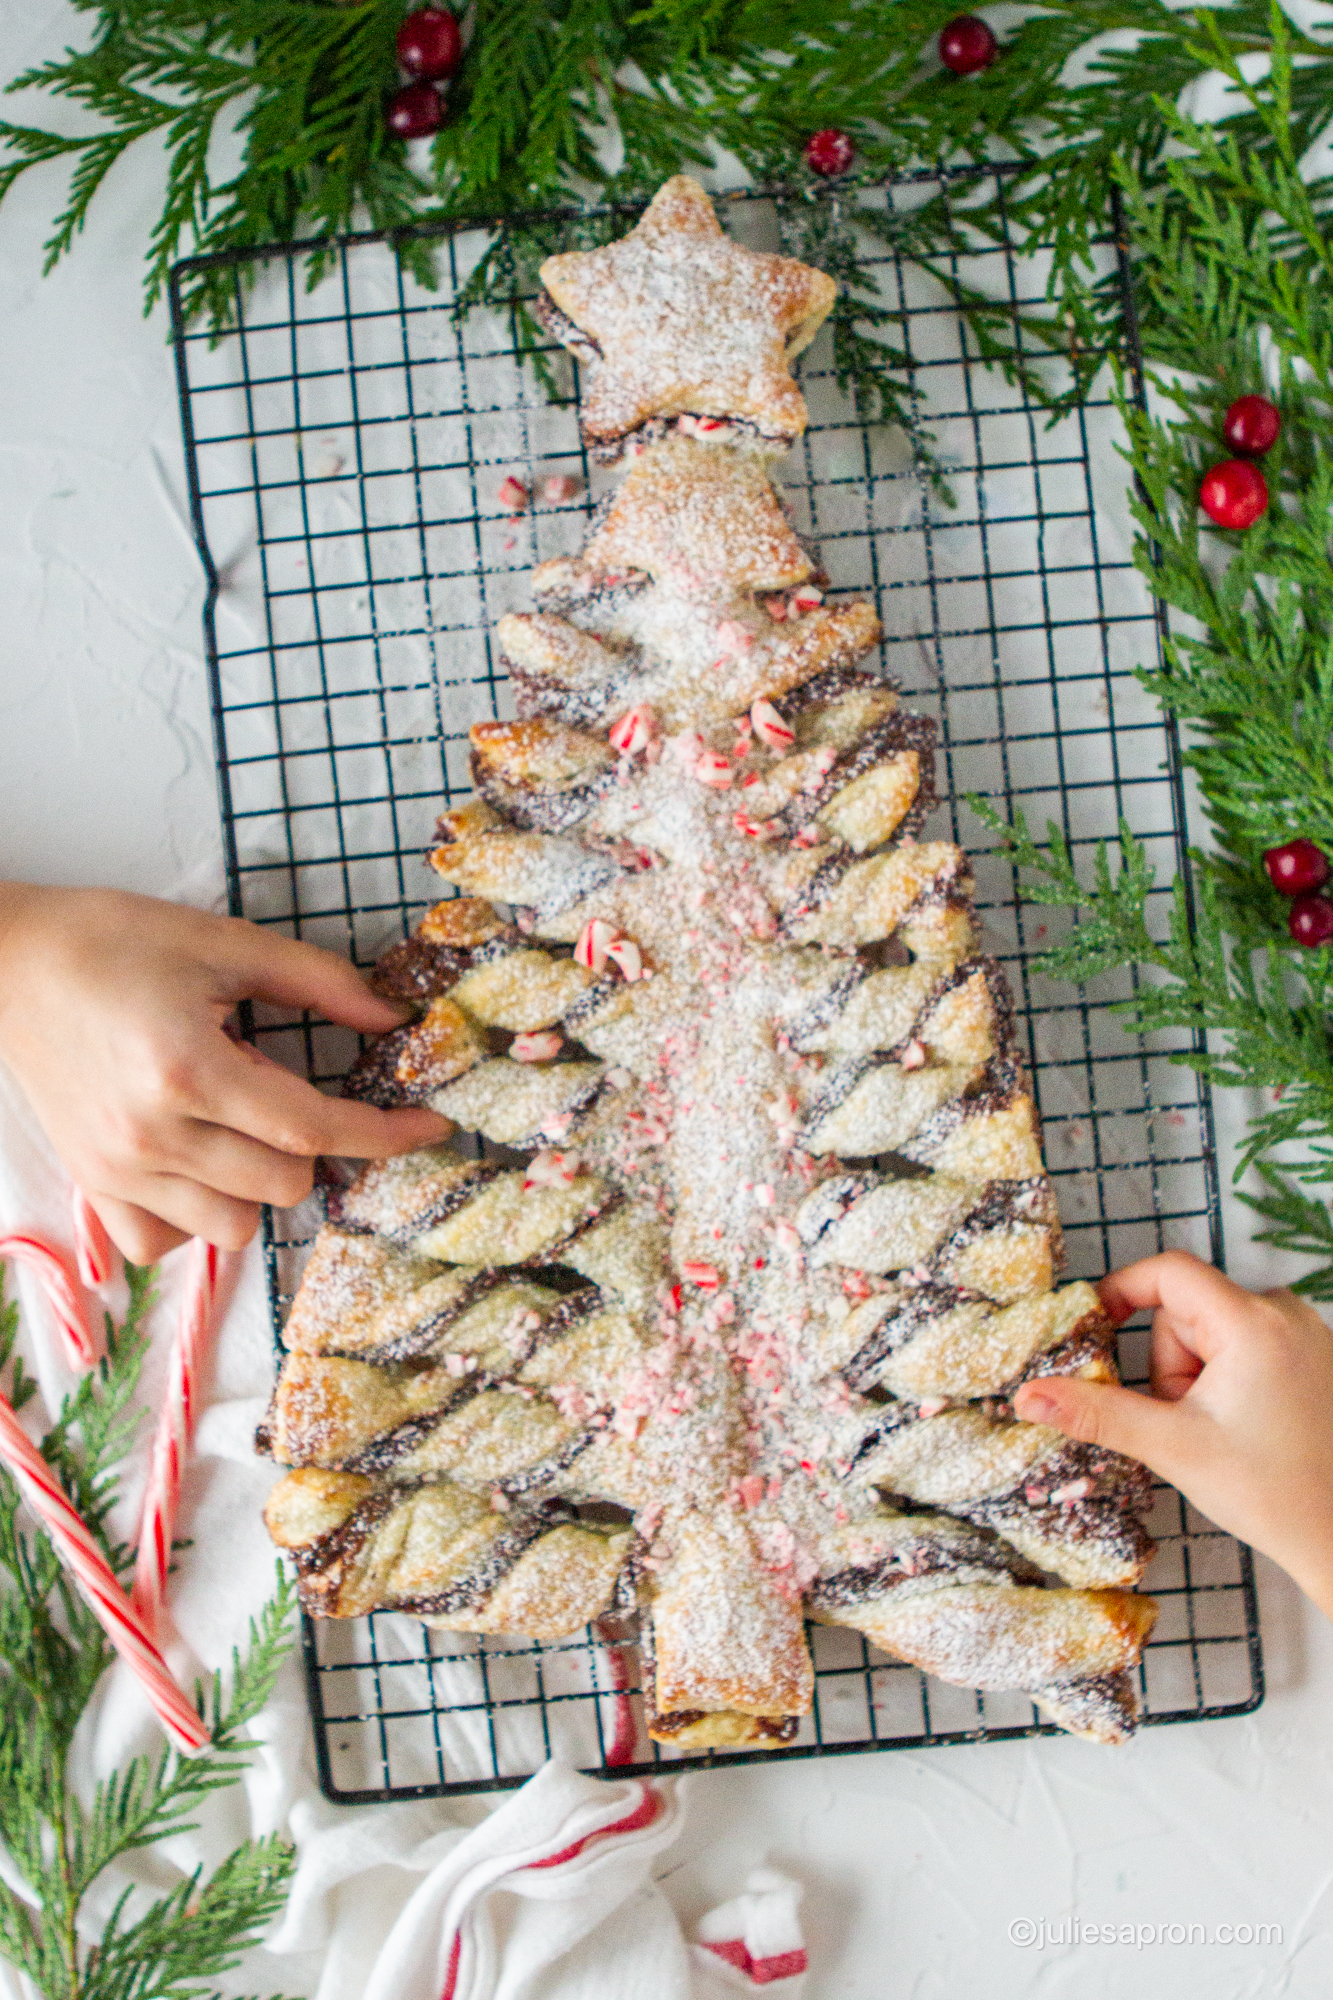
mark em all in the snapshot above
pixel 916 1863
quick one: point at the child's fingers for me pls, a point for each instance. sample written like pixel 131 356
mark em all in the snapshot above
pixel 235 1164
pixel 1202 1303
pixel 249 1094
pixel 137 1234
pixel 191 1208
pixel 1096 1413
pixel 1175 1367
pixel 289 973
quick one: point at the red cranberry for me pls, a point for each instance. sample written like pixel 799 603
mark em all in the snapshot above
pixel 429 44
pixel 1297 867
pixel 1234 494
pixel 830 152
pixel 967 45
pixel 1251 426
pixel 1310 920
pixel 414 111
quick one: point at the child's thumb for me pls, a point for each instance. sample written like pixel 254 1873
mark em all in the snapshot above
pixel 1097 1413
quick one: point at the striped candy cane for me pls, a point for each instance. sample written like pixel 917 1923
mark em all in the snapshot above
pixel 62 1295
pixel 97 1583
pixel 175 1429
pixel 92 1245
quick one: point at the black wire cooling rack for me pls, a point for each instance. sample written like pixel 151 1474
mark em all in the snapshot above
pixel 345 448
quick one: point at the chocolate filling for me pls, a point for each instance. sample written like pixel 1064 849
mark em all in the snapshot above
pixel 539 810
pixel 373 1077
pixel 329 1552
pixel 438 1210
pixel 470 1592
pixel 885 739
pixel 1106 1523
pixel 533 1476
pixel 385 1451
pixel 561 327
pixel 774 1728
pixel 554 1253
pixel 830 1004
pixel 1002 1083
pixel 534 695
pixel 830 684
pixel 609 448
pixel 896 1329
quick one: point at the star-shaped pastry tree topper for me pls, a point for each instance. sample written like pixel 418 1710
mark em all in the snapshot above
pixel 677 321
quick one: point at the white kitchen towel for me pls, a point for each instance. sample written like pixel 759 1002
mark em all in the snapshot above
pixel 548 1899
pixel 754 1944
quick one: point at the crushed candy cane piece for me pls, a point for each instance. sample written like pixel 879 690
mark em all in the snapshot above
pixel 732 637
pixel 763 1197
pixel 1072 1490
pixel 806 597
pixel 549 1170
pixel 560 486
pixel 572 1401
pixel 705 1276
pixel 776 607
pixel 634 731
pixel 931 1406
pixel 751 1489
pixel 513 495
pixel 753 829
pixel 769 726
pixel 623 951
pixel 537 1046
pixel 712 768
pixel 686 748
pixel 912 1057
pixel 595 940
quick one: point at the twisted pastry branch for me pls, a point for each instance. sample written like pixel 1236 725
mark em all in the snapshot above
pixel 737 1341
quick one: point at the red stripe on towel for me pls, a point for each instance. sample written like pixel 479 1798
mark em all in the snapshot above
pixel 763 1971
pixel 643 1814
pixel 451 1976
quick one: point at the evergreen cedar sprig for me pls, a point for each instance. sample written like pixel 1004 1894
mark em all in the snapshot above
pixel 53 1652
pixel 546 84
pixel 1233 247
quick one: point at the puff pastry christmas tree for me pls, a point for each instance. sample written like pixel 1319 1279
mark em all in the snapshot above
pixel 727 1337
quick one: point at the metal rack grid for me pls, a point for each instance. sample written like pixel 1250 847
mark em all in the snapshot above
pixel 345 449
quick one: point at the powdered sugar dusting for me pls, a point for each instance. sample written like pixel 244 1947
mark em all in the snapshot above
pixel 780 1341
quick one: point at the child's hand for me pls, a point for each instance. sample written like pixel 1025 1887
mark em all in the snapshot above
pixel 1241 1412
pixel 111 1017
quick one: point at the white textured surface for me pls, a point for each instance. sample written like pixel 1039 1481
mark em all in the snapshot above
pixel 916 1863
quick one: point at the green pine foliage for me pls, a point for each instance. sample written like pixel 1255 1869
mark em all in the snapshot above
pixel 1235 264
pixel 53 1652
pixel 551 90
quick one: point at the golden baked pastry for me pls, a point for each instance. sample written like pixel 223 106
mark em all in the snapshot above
pixel 676 324
pixel 727 1334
